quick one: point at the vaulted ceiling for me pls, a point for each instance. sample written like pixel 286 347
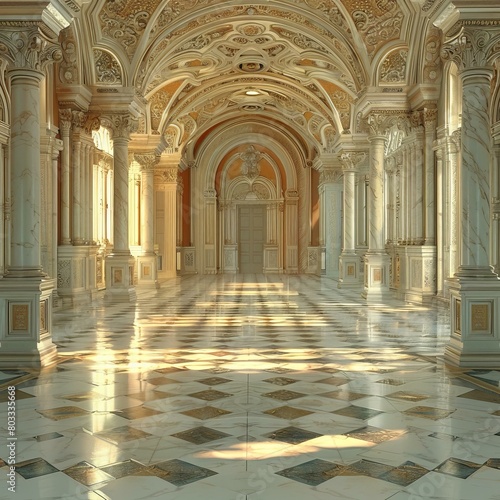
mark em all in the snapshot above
pixel 299 64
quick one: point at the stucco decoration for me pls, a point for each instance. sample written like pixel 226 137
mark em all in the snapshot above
pixel 68 67
pixel 107 68
pixel 393 67
pixel 377 21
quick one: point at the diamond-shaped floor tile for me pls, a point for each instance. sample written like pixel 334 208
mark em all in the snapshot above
pixel 284 395
pixel 428 412
pixel 367 468
pixel 214 381
pixel 333 381
pixel 4 395
pixel 126 468
pixel 205 412
pixel 391 381
pixel 292 435
pixel 313 472
pixel 136 412
pixel 279 369
pixel 180 473
pixel 280 380
pixel 373 434
pixel 343 395
pixel 210 395
pixel 357 412
pixel 407 396
pixel 482 395
pixel 200 435
pixel 35 468
pixel 405 474
pixel 122 434
pixel 87 474
pixel 288 412
pixel 458 468
pixel 63 412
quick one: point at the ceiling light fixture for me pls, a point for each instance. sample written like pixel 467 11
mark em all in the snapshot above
pixel 252 92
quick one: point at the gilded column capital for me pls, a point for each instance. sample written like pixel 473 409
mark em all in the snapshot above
pixel 29 46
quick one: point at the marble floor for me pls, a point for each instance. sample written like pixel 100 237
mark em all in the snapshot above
pixel 253 388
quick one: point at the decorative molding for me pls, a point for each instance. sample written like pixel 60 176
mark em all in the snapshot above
pixel 107 67
pixel 26 46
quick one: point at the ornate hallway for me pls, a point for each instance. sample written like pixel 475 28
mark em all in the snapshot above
pixel 254 387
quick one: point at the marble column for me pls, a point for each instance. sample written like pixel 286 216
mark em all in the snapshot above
pixel 147 274
pixel 376 284
pixel 475 289
pixel 56 150
pixel 25 290
pixel 4 137
pixel 430 116
pixel 166 193
pixel 78 120
pixel 495 205
pixel 330 188
pixel 349 271
pixel 120 263
pixel 65 129
pixel 439 223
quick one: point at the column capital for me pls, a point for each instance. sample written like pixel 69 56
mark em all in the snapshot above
pixel 167 175
pixel 147 160
pixel 472 48
pixel 30 46
pixel 378 122
pixel 120 124
pixel 65 120
pixel 351 160
pixel 330 176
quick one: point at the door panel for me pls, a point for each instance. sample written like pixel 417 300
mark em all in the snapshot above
pixel 252 235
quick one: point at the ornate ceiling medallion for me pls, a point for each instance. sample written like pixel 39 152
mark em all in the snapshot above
pixel 251 29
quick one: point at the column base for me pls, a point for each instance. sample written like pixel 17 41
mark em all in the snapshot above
pixel 26 323
pixel 475 322
pixel 77 274
pixel 349 271
pixel 271 259
pixel 120 278
pixel 147 271
pixel 419 275
pixel 376 285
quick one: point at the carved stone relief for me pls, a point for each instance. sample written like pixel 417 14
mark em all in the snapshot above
pixel 393 68
pixel 108 70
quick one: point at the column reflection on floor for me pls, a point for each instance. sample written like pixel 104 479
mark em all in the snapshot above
pixel 252 387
